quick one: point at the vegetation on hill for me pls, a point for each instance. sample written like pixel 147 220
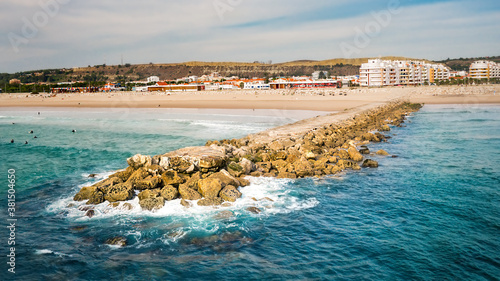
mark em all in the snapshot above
pixel 464 63
pixel 98 75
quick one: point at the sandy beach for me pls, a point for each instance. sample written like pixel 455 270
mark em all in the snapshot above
pixel 317 99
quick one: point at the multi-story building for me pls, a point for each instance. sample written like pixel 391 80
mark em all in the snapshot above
pixel 377 73
pixel 484 70
pixel 153 79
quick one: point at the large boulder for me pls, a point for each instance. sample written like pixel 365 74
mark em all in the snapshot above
pixel 279 165
pixel 354 154
pixel 364 150
pixel 107 183
pixel 209 187
pixel 254 210
pixel 225 178
pixel 385 128
pixel 85 193
pixel 211 162
pixel 382 153
pixel 333 169
pixel 243 181
pixel 380 137
pixel 286 175
pixel 192 182
pixel 138 175
pixel 169 193
pixel 117 241
pixel 205 158
pixel 292 158
pixel 236 170
pixel 120 192
pixel 188 193
pixel 370 137
pixel 147 183
pixel 164 162
pixel 155 170
pixel 276 145
pixel 148 193
pixel 342 154
pixel 151 204
pixel 280 155
pixel 264 167
pixel 210 202
pixel 97 197
pixel 369 163
pixel 247 165
pixel 230 193
pixel 171 177
pixel 303 168
pixel 348 164
pixel 123 175
pixel 181 165
pixel 310 155
pixel 138 161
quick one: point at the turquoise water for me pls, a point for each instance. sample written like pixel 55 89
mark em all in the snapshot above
pixel 433 213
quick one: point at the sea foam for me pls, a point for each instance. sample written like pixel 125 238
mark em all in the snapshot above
pixel 270 195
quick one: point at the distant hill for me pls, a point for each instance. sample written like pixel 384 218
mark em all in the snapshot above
pixel 464 63
pixel 170 71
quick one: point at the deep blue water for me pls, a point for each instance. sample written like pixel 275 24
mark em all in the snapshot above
pixel 433 213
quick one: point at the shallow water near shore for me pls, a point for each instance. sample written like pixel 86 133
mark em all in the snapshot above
pixel 432 213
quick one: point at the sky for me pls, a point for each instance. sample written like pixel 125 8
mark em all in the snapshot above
pixel 42 34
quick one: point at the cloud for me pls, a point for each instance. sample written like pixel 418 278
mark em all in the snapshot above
pixel 90 32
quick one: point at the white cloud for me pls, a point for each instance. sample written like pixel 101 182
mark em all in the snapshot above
pixel 85 32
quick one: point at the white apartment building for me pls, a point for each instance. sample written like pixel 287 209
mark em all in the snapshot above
pixel 377 73
pixel 484 70
pixel 153 79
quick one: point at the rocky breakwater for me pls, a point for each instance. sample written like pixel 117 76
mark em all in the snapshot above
pixel 212 174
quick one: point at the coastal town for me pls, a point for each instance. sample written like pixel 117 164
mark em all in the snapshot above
pixel 373 73
pixel 250 140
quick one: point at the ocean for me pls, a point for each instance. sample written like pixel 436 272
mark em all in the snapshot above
pixel 431 213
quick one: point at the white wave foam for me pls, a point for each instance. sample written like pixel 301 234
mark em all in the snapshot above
pixel 50 252
pixel 176 120
pixel 174 236
pixel 43 252
pixel 98 176
pixel 230 126
pixel 272 196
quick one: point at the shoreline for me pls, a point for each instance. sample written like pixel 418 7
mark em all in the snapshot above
pixel 326 100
